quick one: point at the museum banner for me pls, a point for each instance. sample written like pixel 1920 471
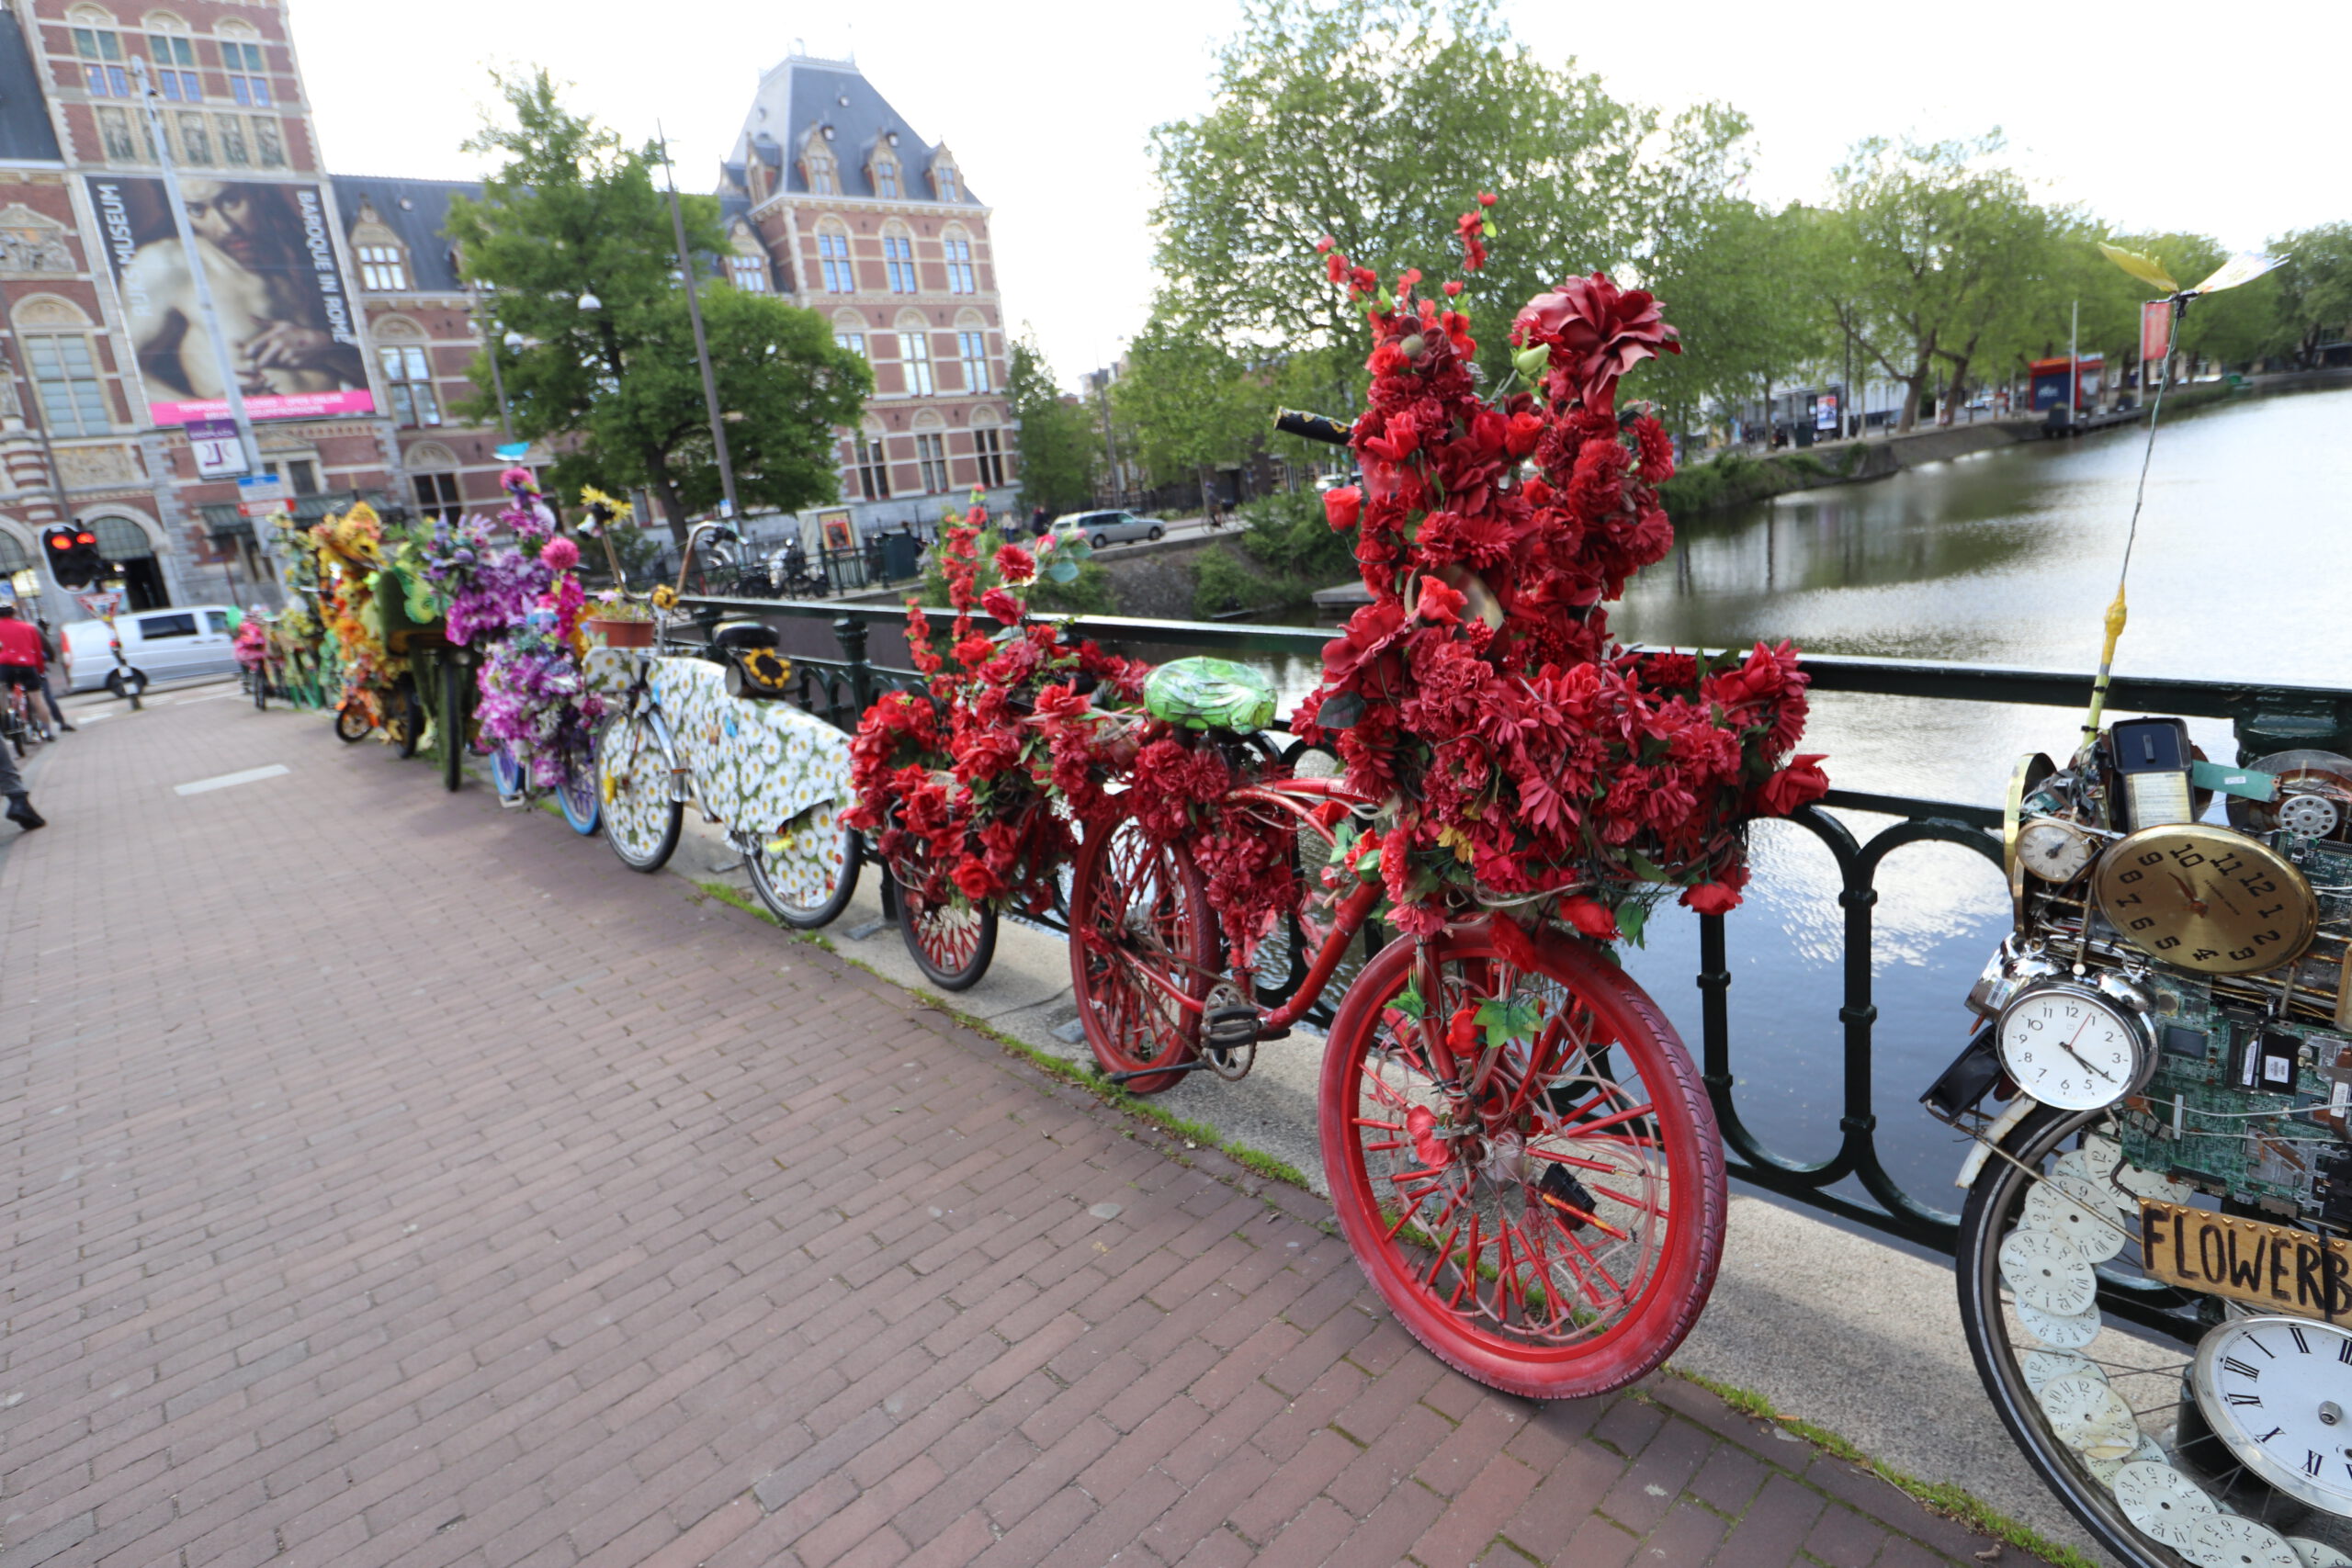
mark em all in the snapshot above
pixel 267 248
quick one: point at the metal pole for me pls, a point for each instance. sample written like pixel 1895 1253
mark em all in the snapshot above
pixel 223 365
pixel 2074 364
pixel 702 344
pixel 491 345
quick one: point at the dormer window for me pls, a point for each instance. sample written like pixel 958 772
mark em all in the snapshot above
pixel 817 165
pixel 945 185
pixel 947 179
pixel 886 175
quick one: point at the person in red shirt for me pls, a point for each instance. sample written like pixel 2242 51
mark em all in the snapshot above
pixel 22 658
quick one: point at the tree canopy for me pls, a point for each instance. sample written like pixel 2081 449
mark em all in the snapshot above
pixel 572 215
pixel 1057 442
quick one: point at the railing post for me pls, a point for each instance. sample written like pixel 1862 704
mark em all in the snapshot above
pixel 1714 1012
pixel 851 632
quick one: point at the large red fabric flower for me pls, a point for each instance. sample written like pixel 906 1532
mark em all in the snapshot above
pixel 1596 332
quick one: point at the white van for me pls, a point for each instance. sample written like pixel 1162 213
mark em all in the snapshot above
pixel 177 644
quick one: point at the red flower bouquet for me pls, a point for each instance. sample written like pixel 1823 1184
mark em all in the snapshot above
pixel 1527 757
pixel 953 778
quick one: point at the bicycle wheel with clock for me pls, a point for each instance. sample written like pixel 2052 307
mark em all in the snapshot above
pixel 2228 1441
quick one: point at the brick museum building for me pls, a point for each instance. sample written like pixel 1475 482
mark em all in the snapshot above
pixel 349 327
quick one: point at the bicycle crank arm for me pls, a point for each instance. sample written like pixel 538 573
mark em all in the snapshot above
pixel 1123 1079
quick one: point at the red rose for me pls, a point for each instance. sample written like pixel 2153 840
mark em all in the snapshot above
pixel 1003 605
pixel 1015 565
pixel 972 880
pixel 1591 918
pixel 1799 784
pixel 1710 899
pixel 1341 507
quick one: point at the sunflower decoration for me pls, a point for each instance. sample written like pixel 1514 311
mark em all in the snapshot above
pixel 665 597
pixel 599 510
pixel 767 668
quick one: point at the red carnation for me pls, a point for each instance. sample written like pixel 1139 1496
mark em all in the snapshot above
pixel 1003 605
pixel 1015 565
pixel 1598 332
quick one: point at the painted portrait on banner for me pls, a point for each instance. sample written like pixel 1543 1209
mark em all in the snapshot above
pixel 268 252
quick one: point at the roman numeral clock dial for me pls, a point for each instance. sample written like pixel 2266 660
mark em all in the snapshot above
pixel 2278 1390
pixel 2206 899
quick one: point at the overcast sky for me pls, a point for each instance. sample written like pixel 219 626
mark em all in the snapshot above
pixel 2151 117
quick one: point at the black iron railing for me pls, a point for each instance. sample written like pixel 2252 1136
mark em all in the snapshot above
pixel 846 655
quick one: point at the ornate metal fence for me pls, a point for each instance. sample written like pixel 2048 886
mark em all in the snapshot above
pixel 845 655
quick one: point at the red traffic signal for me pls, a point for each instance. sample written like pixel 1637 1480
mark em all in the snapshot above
pixel 74 558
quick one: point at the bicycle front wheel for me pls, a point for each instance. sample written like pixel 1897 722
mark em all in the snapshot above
pixel 351 723
pixel 577 795
pixel 506 771
pixel 642 822
pixel 1141 954
pixel 1546 1217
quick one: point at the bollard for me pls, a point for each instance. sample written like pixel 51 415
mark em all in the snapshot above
pixel 851 632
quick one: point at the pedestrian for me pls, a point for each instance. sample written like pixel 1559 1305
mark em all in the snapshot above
pixel 21 661
pixel 48 686
pixel 1039 524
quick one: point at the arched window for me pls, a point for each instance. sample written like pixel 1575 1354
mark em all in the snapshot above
pixel 833 258
pixel 972 349
pixel 987 445
pixel 14 557
pixel 383 260
pixel 816 162
pixel 961 278
pixel 407 364
pixel 64 365
pixel 98 48
pixel 873 464
pixel 173 55
pixel 248 67
pixel 898 257
pixel 747 264
pixel 849 331
pixel 945 185
pixel 885 170
pixel 432 474
pixel 914 353
pixel 930 452
pixel 120 539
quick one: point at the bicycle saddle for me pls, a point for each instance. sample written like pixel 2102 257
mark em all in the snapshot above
pixel 1210 693
pixel 734 636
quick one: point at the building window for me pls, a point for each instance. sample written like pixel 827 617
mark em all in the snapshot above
pixel 898 262
pixel 886 178
pixel 947 185
pixel 231 132
pixel 873 469
pixel 750 274
pixel 174 60
pixel 248 73
pixel 436 496
pixel 73 398
pixel 914 354
pixel 268 150
pixel 960 279
pixel 383 269
pixel 300 474
pixel 102 71
pixel 931 455
pixel 974 347
pixel 410 377
pixel 991 456
pixel 821 176
pixel 832 261
pixel 114 134
pixel 853 342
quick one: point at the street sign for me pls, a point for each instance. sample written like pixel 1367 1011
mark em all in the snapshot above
pixel 255 489
pixel 219 453
pixel 2156 331
pixel 102 604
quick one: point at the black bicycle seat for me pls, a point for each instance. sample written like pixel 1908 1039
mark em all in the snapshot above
pixel 734 636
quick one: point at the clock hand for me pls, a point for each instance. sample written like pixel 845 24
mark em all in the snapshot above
pixel 2087 1062
pixel 2188 891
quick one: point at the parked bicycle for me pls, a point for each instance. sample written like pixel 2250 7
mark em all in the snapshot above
pixel 722 737
pixel 24 719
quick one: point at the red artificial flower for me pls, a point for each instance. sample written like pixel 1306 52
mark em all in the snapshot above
pixel 1341 507
pixel 1324 243
pixel 1710 899
pixel 1592 917
pixel 1596 332
pixel 1798 785
pixel 1003 605
pixel 1015 565
pixel 1486 198
pixel 975 881
pixel 1452 287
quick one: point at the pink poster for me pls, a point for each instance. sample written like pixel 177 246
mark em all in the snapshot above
pixel 267 249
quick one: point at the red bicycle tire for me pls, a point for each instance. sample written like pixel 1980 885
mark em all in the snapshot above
pixel 1122 976
pixel 1470 1335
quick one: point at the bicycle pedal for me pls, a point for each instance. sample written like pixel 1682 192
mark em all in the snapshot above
pixel 1230 1028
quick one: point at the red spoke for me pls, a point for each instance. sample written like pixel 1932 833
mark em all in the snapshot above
pixel 1588 1128
pixel 1469 1271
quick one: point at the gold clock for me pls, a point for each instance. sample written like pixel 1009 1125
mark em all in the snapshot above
pixel 2206 897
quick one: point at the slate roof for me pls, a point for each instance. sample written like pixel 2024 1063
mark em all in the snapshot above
pixel 803 92
pixel 27 136
pixel 420 223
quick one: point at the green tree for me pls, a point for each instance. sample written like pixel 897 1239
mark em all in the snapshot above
pixel 1746 295
pixel 1377 122
pixel 2314 291
pixel 1059 447
pixel 572 214
pixel 1188 405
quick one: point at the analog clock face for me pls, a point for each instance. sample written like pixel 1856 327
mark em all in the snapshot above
pixel 2318 1553
pixel 2070 1048
pixel 2071 1206
pixel 2230 1540
pixel 2041 1366
pixel 2278 1392
pixel 2089 1418
pixel 2161 1503
pixel 2044 1271
pixel 2105 1469
pixel 2054 851
pixel 2206 899
pixel 2060 1331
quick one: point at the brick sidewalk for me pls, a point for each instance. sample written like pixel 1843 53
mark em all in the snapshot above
pixel 401 1180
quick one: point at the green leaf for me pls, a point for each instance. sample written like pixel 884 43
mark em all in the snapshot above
pixel 1533 361
pixel 1630 919
pixel 1408 1000
pixel 1063 571
pixel 1510 1018
pixel 1644 867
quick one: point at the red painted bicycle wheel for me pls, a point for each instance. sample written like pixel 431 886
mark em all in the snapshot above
pixel 1551 1224
pixel 1139 940
pixel 952 943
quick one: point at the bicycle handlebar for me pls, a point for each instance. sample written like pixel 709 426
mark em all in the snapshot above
pixel 1312 426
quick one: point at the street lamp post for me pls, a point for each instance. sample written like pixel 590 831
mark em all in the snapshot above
pixel 491 345
pixel 702 344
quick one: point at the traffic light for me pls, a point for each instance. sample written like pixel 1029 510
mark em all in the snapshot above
pixel 74 558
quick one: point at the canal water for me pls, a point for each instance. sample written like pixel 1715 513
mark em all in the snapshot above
pixel 2243 569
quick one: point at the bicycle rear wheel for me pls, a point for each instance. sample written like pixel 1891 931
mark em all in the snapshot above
pixel 1141 948
pixel 577 794
pixel 806 876
pixel 352 722
pixel 1553 1227
pixel 506 771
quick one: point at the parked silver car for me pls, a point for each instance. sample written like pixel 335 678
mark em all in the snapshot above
pixel 158 645
pixel 1102 529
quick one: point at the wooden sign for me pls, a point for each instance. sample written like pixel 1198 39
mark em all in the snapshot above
pixel 2276 1267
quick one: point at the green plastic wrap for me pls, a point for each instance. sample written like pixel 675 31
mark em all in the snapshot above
pixel 1210 693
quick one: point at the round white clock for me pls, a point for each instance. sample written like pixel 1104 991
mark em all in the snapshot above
pixel 2071 1206
pixel 2232 1540
pixel 2278 1390
pixel 2069 1046
pixel 2059 1331
pixel 2161 1503
pixel 2089 1418
pixel 2045 1271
